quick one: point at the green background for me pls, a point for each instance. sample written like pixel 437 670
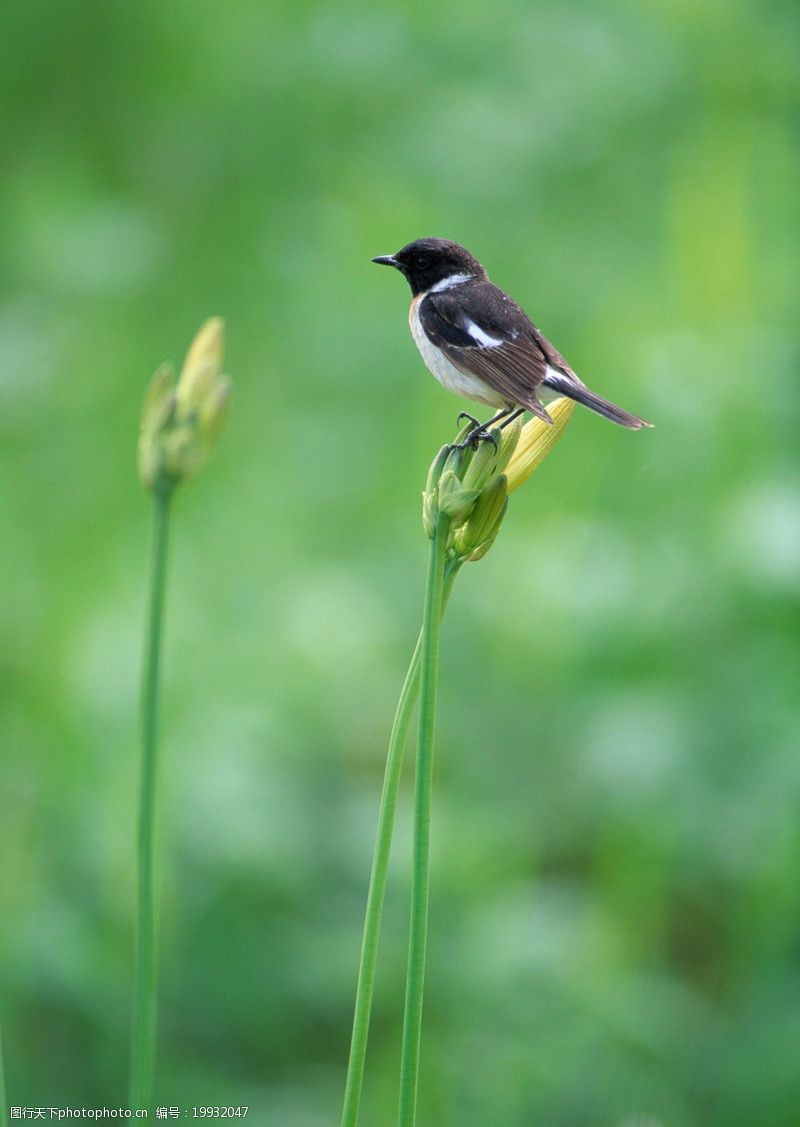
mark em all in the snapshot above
pixel 615 916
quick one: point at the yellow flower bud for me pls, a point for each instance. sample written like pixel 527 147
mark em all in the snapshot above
pixel 201 367
pixel 214 410
pixel 536 441
pixel 160 389
pixel 180 423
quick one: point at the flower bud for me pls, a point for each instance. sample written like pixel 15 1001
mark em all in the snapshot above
pixel 457 460
pixel 158 412
pixel 509 439
pixel 485 520
pixel 536 441
pixel 435 472
pixel 201 367
pixel 160 388
pixel 214 410
pixel 483 462
pixel 181 422
pixel 453 499
pixel 482 549
pixel 430 511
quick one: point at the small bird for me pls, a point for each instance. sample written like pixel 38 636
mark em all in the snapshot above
pixel 480 344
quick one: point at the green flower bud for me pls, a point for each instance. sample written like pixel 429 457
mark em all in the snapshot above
pixel 470 486
pixel 453 499
pixel 510 436
pixel 435 472
pixel 481 550
pixel 457 461
pixel 482 463
pixel 430 511
pixel 485 520
pixel 180 422
pixel 160 388
pixel 459 504
pixel 158 413
pixel 183 454
pixel 214 410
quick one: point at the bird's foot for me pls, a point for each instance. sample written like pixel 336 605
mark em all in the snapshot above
pixel 479 433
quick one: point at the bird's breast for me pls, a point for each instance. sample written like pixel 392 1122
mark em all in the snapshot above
pixel 448 375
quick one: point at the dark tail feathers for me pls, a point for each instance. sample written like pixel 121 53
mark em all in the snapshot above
pixel 574 389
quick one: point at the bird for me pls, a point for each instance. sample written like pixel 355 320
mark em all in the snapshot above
pixel 480 344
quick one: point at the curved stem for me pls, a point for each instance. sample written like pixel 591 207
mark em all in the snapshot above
pixel 377 889
pixel 418 931
pixel 378 877
pixel 144 1012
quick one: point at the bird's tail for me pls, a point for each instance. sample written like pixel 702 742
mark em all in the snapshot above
pixel 581 394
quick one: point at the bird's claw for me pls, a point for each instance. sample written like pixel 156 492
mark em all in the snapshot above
pixel 477 435
pixel 482 435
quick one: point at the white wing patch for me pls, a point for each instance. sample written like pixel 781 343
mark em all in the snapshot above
pixel 480 336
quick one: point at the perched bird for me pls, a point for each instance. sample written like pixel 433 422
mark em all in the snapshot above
pixel 480 344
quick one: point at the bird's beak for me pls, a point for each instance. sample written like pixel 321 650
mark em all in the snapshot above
pixel 386 260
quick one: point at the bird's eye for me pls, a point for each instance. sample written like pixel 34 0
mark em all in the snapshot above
pixel 422 261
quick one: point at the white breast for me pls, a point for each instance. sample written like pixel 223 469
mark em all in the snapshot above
pixel 462 383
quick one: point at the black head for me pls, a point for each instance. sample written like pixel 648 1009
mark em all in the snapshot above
pixel 428 261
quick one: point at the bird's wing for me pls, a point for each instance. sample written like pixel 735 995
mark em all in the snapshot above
pixel 554 357
pixel 484 333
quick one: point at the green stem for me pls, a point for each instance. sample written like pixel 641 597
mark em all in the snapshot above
pixel 3 1104
pixel 378 877
pixel 144 1012
pixel 418 931
pixel 377 890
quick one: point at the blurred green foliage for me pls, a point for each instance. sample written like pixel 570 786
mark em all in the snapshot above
pixel 615 927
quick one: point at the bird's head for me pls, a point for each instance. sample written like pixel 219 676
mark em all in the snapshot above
pixel 429 262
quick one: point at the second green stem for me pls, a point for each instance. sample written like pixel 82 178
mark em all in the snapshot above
pixel 144 1012
pixel 379 875
pixel 418 932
